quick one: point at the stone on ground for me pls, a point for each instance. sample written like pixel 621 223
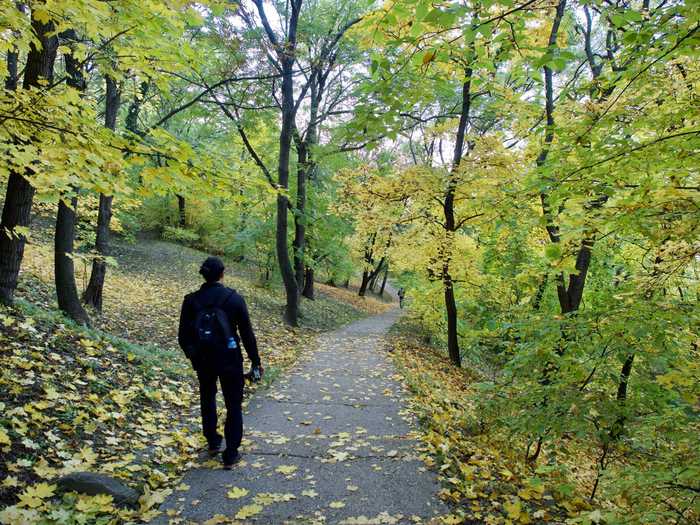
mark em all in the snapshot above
pixel 93 483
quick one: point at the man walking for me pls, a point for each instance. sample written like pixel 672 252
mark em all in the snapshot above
pixel 213 322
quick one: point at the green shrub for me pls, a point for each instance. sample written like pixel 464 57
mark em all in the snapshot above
pixel 180 235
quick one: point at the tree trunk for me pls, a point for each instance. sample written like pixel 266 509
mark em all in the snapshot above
pixel 286 55
pixel 20 193
pixel 451 310
pixel 386 276
pixel 182 217
pixel 305 166
pixel 346 284
pixel 539 295
pixel 66 290
pixel 131 122
pixel 365 281
pixel 94 291
pixel 369 262
pixel 12 70
pixel 299 243
pixel 308 291
pixel 12 79
pixel 375 276
pixel 451 226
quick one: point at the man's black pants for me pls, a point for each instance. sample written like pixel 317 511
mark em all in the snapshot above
pixel 231 379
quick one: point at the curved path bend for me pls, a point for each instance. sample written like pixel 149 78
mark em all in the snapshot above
pixel 330 443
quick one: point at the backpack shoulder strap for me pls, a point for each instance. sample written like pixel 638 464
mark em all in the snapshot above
pixel 223 319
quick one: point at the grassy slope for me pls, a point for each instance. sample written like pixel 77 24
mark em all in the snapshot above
pixel 105 399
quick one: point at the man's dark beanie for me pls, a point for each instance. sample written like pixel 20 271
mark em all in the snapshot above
pixel 212 268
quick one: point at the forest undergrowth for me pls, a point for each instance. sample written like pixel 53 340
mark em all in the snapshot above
pixel 484 468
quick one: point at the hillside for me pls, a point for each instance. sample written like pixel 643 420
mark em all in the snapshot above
pixel 120 398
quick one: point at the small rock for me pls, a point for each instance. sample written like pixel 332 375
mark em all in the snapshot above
pixel 92 483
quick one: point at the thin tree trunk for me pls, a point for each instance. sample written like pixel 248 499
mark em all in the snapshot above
pixel 131 122
pixel 305 166
pixel 286 58
pixel 94 292
pixel 299 243
pixel 375 276
pixel 20 193
pixel 365 281
pixel 12 79
pixel 540 293
pixel 66 290
pixel 308 291
pixel 386 276
pixel 12 70
pixel 369 263
pixel 451 226
pixel 64 272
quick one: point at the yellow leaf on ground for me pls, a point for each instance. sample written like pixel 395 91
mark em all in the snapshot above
pixel 513 509
pixel 236 493
pixel 248 511
pixel 4 437
pixel 286 469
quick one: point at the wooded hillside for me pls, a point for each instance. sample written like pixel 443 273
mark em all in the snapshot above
pixel 524 172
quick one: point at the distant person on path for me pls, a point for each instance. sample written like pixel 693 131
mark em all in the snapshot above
pixel 213 322
pixel 402 294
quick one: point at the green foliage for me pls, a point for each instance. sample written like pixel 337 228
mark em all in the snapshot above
pixel 603 385
pixel 181 235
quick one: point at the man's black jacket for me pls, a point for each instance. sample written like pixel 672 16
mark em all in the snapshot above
pixel 237 312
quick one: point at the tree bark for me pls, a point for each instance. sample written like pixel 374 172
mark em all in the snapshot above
pixel 94 292
pixel 451 226
pixel 375 276
pixel 363 285
pixel 12 70
pixel 20 193
pixel 369 263
pixel 64 272
pixel 131 122
pixel 286 56
pixel 305 166
pixel 66 290
pixel 299 243
pixel 308 291
pixel 571 294
pixel 386 276
pixel 539 295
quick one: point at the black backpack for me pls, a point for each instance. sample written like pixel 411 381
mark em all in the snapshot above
pixel 211 325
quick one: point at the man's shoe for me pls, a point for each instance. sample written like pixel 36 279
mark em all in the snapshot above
pixel 214 448
pixel 230 462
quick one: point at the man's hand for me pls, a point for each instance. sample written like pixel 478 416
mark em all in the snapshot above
pixel 255 374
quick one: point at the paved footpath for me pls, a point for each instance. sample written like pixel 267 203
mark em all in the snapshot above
pixel 328 443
